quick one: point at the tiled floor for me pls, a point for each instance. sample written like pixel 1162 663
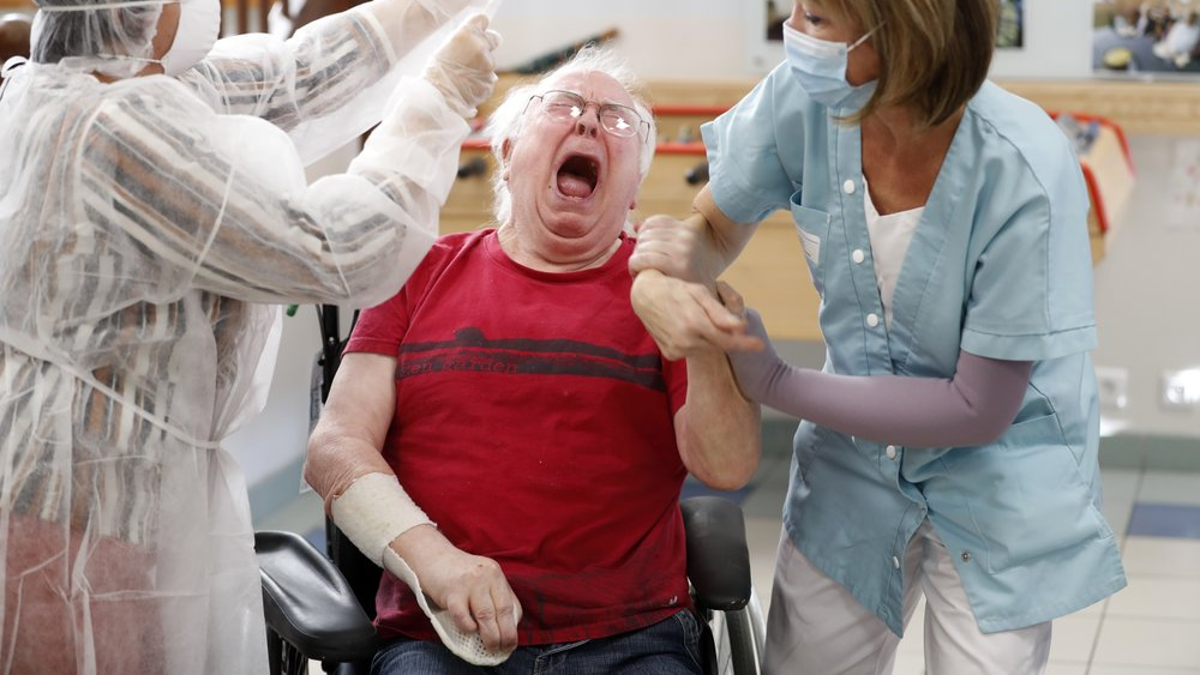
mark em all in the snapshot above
pixel 1150 628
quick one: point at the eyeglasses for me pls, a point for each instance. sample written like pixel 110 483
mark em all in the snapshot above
pixel 565 106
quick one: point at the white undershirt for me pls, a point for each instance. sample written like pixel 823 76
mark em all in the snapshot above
pixel 890 236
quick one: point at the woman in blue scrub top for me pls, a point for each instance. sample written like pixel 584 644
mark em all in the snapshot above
pixel 948 447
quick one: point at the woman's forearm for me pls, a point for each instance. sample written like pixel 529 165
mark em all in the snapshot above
pixel 974 407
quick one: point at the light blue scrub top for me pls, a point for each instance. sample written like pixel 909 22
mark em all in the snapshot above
pixel 1000 266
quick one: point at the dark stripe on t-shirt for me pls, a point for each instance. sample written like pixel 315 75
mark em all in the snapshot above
pixel 471 351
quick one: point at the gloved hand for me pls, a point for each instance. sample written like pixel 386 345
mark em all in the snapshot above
pixel 758 373
pixel 463 70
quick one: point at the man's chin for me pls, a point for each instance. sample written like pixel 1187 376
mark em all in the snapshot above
pixel 570 226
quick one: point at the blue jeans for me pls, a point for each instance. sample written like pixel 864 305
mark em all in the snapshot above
pixel 665 648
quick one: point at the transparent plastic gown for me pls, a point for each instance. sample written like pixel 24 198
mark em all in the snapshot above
pixel 150 228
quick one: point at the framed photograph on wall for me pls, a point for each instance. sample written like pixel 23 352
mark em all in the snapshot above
pixel 1146 38
pixel 1011 32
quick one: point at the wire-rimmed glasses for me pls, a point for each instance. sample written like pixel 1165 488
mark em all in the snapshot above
pixel 565 106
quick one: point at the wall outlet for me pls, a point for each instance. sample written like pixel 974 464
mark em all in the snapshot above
pixel 1113 386
pixel 1181 389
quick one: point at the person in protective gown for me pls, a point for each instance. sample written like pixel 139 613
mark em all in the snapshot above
pixel 155 213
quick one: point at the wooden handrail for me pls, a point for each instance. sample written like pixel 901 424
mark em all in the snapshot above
pixel 14 37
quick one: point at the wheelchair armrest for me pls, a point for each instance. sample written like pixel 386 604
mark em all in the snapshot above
pixel 308 603
pixel 718 562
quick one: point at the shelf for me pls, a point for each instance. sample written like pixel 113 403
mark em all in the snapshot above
pixel 1137 107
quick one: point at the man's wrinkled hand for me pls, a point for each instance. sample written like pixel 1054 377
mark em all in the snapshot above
pixel 685 318
pixel 672 247
pixel 471 588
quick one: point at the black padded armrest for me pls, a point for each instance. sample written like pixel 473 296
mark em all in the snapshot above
pixel 308 602
pixel 718 562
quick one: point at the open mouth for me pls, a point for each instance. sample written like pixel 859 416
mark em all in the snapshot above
pixel 578 176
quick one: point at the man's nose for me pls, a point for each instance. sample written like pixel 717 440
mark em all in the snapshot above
pixel 588 122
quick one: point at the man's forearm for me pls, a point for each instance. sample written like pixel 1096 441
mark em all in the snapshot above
pixel 719 430
pixel 335 460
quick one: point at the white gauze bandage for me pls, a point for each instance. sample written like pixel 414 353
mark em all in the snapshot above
pixel 375 510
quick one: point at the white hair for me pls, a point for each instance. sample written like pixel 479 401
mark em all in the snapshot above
pixel 505 124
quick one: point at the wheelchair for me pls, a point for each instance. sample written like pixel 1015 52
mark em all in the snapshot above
pixel 318 608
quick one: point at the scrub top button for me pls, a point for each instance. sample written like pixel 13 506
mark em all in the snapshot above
pixel 872 320
pixel 895 562
pixel 966 556
pixel 858 256
pixel 891 452
pixel 848 187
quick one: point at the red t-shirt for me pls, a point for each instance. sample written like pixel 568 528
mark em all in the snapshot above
pixel 534 425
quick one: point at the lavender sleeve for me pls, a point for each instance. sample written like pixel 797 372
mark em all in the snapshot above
pixel 974 407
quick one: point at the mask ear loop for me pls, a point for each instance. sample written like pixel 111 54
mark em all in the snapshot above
pixel 863 39
pixel 133 64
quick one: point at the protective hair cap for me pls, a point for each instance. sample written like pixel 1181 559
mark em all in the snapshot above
pixel 108 36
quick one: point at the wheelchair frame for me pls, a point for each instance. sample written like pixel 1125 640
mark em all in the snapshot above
pixel 315 612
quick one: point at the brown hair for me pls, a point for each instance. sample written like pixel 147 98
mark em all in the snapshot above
pixel 934 54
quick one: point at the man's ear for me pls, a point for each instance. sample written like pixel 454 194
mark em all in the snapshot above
pixel 505 155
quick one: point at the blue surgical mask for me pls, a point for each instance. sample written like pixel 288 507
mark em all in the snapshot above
pixel 820 66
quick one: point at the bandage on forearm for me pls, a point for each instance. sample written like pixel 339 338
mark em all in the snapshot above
pixel 375 510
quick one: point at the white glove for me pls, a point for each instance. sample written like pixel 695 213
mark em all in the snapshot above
pixel 463 70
